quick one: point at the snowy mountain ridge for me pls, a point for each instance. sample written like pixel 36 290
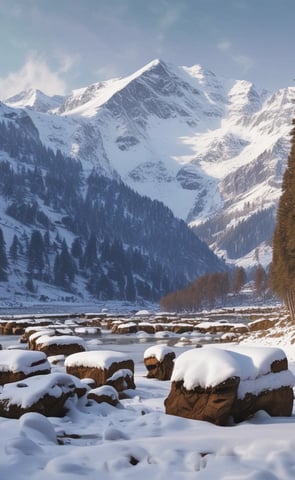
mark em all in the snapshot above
pixel 212 149
pixel 69 234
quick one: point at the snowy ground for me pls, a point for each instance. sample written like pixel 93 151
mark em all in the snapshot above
pixel 138 440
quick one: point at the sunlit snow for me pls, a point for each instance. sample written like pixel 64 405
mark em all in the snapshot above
pixel 137 439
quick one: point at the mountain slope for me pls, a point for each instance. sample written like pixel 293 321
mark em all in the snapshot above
pixel 70 233
pixel 212 149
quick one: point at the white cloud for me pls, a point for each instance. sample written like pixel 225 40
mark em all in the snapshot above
pixel 169 18
pixel 224 46
pixel 35 73
pixel 66 62
pixel 245 62
pixel 107 72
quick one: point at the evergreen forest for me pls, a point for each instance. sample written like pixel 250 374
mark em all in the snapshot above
pixel 74 225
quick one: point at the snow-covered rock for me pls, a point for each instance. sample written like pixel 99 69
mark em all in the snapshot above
pixel 59 344
pixel 159 361
pixel 215 384
pixel 19 364
pixel 101 366
pixel 44 394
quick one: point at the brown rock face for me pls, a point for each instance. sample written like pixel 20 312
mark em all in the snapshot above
pixel 39 366
pixel 122 380
pixel 148 328
pixel 218 404
pixel 162 370
pixel 263 324
pixel 279 365
pixel 102 399
pixel 46 400
pixel 277 403
pixel 10 377
pixel 60 349
pixel 100 375
pixel 179 329
pixel 212 404
pixel 125 329
pixel 48 406
pixel 102 396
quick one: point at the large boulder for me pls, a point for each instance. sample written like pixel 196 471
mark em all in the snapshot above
pixel 219 327
pixel 146 327
pixel 277 402
pixel 16 365
pixel 124 328
pixel 271 391
pixel 212 404
pixel 121 380
pixel 180 328
pixel 32 338
pixel 59 344
pixel 101 366
pixel 45 394
pixel 104 394
pixel 215 384
pixel 262 324
pixel 159 361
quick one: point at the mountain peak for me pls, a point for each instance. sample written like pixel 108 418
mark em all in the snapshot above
pixel 199 72
pixel 154 63
pixel 24 95
pixel 35 99
pixel 157 65
pixel 206 146
pixel 86 101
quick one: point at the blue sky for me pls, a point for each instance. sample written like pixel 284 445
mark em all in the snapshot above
pixel 58 45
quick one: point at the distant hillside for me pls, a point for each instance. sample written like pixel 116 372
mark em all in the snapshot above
pixel 211 149
pixel 71 233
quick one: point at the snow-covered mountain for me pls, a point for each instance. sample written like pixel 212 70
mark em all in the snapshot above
pixel 37 100
pixel 212 149
pixel 67 233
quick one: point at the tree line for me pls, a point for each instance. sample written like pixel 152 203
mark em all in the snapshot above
pixel 283 261
pixel 108 270
pixel 86 226
pixel 216 289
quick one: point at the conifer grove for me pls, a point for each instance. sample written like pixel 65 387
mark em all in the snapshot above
pixel 283 262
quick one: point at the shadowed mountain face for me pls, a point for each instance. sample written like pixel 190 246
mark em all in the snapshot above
pixel 70 233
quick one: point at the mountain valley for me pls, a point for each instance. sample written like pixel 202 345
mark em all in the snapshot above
pixel 189 147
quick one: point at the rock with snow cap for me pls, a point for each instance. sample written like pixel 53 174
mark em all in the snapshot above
pixel 105 393
pixel 101 366
pixel 216 384
pixel 121 380
pixel 45 394
pixel 159 361
pixel 59 344
pixel 17 364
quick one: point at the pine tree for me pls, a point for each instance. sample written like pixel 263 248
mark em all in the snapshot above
pixel 130 291
pixel 76 248
pixel 36 255
pixel 260 280
pixel 30 284
pixel 58 274
pixel 3 259
pixel 67 262
pixel 64 267
pixel 283 261
pixel 239 279
pixel 46 241
pixel 90 255
pixel 14 248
